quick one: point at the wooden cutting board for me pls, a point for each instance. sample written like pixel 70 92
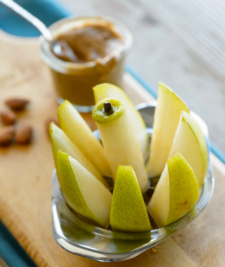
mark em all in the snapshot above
pixel 25 176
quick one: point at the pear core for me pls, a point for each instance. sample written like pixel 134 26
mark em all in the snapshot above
pixel 100 115
pixel 107 90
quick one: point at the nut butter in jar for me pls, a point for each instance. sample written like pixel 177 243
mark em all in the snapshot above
pixel 100 46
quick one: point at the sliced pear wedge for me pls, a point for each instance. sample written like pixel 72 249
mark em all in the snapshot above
pixel 82 191
pixel 128 211
pixel 176 192
pixel 106 90
pixel 60 141
pixel 190 142
pixel 119 140
pixel 81 135
pixel 166 119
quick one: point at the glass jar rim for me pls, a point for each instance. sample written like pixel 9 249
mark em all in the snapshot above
pixel 63 66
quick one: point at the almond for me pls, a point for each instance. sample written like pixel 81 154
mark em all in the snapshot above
pixel 23 134
pixel 7 135
pixel 8 117
pixel 17 103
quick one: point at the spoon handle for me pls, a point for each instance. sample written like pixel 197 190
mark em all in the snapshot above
pixel 24 14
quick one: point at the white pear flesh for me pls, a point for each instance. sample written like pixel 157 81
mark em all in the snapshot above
pixel 190 142
pixel 128 211
pixel 106 90
pixel 81 135
pixel 82 191
pixel 119 140
pixel 176 193
pixel 60 141
pixel 166 119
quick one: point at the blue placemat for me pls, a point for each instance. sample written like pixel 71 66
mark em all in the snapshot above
pixel 11 251
pixel 48 11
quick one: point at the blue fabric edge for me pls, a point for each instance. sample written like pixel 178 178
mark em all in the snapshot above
pixel 11 250
pixel 215 150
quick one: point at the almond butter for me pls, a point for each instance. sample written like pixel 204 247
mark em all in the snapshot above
pixel 23 134
pixel 48 122
pixel 8 117
pixel 7 135
pixel 17 103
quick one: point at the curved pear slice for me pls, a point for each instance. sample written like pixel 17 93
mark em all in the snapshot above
pixel 60 141
pixel 119 140
pixel 190 142
pixel 166 119
pixel 107 90
pixel 82 191
pixel 128 211
pixel 81 135
pixel 176 192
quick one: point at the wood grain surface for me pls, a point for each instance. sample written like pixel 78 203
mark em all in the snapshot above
pixel 25 177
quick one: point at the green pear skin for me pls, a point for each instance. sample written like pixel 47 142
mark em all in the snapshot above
pixel 60 141
pixel 190 142
pixel 128 211
pixel 176 193
pixel 82 191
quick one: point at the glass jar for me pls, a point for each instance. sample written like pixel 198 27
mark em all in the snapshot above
pixel 74 81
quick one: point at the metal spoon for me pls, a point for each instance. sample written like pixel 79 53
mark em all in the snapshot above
pixel 60 48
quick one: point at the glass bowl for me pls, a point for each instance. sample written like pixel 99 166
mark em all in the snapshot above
pixel 81 238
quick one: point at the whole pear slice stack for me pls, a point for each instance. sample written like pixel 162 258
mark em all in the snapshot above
pixel 190 142
pixel 176 192
pixel 107 90
pixel 128 211
pixel 166 119
pixel 83 192
pixel 119 140
pixel 81 135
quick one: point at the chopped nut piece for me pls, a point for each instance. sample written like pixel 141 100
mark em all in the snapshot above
pixel 17 103
pixel 7 136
